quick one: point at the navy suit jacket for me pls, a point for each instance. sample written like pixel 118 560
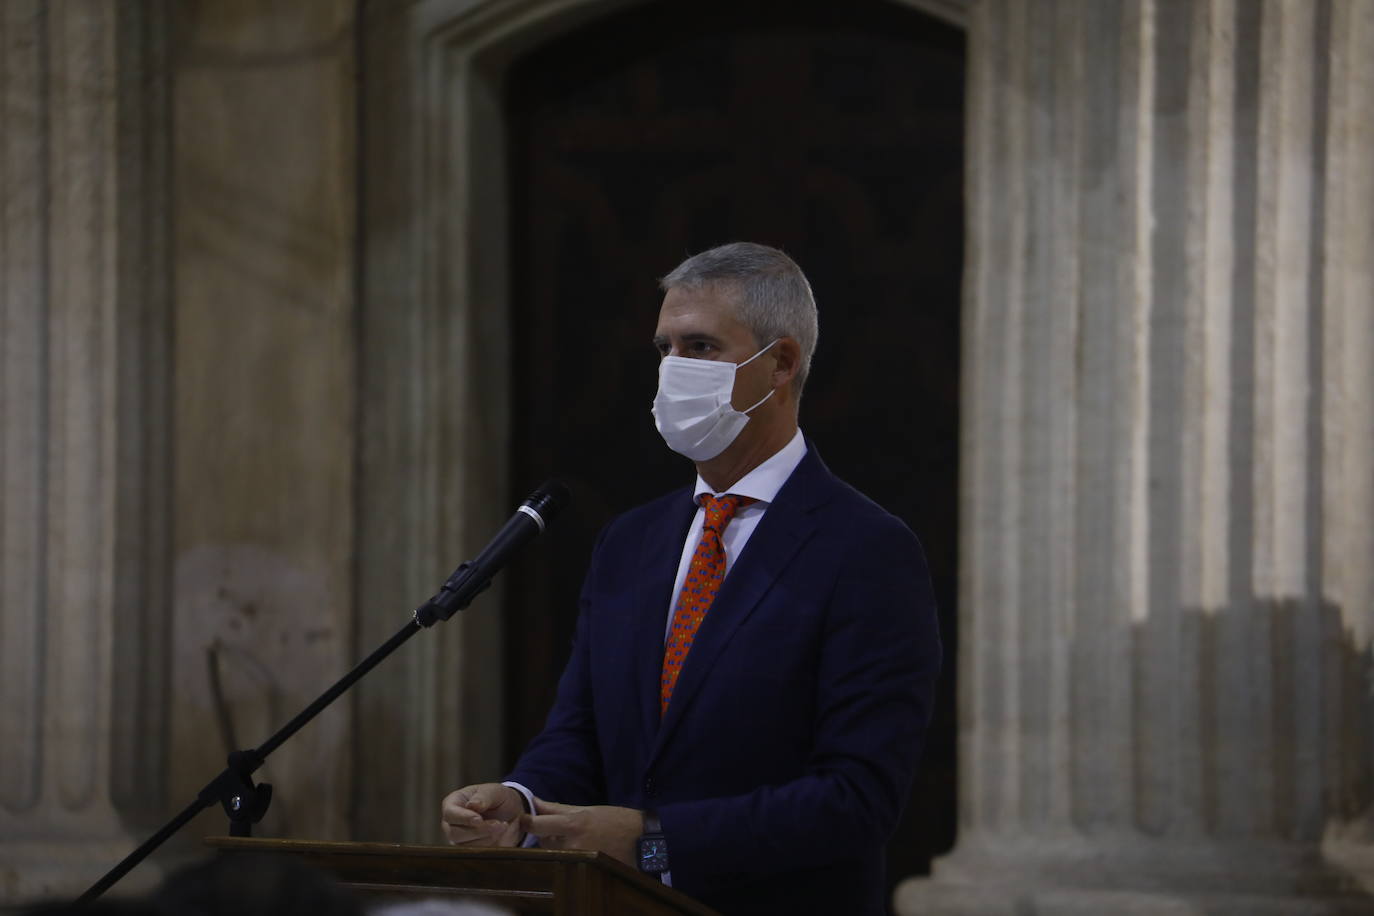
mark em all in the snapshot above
pixel 782 764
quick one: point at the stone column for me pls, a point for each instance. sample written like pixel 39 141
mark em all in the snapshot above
pixel 83 426
pixel 1168 596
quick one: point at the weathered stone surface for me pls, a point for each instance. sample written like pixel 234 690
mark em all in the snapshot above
pixel 82 442
pixel 264 111
pixel 1168 462
pixel 261 420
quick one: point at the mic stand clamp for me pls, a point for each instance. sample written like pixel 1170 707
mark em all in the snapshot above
pixel 243 801
pixel 454 595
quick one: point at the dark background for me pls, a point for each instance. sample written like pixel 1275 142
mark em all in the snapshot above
pixel 833 131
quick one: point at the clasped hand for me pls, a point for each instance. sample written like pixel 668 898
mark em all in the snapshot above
pixel 495 815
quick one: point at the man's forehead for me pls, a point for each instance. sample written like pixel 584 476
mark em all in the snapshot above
pixel 707 305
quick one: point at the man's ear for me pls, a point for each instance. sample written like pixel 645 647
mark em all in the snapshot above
pixel 787 352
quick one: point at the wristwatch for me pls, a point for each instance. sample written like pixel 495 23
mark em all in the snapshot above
pixel 653 846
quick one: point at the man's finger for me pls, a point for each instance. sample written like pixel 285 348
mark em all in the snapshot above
pixel 460 816
pixel 542 825
pixel 458 835
pixel 484 798
pixel 458 809
pixel 548 807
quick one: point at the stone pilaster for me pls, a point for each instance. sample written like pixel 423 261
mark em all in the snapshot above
pixel 434 405
pixel 1167 600
pixel 83 469
pixel 265 131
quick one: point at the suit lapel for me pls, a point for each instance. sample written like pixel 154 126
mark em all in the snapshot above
pixel 785 527
pixel 659 557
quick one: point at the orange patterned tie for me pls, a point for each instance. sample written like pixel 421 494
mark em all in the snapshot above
pixel 704 575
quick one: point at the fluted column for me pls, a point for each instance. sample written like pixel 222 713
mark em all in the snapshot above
pixel 1343 396
pixel 83 472
pixel 1168 598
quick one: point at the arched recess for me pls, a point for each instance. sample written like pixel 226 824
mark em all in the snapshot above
pixel 434 354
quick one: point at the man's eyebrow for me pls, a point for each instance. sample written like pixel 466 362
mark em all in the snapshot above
pixel 690 337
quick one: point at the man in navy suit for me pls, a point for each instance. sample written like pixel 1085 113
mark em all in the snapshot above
pixel 755 657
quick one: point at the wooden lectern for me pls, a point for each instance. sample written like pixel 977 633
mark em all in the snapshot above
pixel 561 882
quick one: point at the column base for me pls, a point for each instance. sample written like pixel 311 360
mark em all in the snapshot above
pixel 1074 876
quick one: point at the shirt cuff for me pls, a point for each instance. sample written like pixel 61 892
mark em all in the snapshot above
pixel 530 839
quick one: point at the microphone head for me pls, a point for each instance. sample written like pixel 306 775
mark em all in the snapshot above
pixel 548 500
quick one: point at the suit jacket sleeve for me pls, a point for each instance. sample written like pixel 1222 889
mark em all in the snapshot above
pixel 563 763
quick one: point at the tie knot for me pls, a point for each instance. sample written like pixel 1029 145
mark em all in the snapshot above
pixel 720 509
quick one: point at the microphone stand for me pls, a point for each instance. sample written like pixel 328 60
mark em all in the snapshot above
pixel 245 802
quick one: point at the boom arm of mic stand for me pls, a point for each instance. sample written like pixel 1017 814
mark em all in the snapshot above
pixel 245 802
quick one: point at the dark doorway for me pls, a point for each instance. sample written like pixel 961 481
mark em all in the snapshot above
pixel 831 130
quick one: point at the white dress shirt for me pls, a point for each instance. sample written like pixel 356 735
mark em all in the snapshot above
pixel 763 484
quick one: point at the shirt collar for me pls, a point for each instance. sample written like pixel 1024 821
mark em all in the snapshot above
pixel 764 481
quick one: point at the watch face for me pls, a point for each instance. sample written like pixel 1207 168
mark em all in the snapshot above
pixel 653 854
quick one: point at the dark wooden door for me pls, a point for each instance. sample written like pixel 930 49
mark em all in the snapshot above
pixel 831 130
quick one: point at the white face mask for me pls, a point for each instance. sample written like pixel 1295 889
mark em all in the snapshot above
pixel 692 408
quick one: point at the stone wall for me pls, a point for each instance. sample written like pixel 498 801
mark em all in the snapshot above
pixel 239 440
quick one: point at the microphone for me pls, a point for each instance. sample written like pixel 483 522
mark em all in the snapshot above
pixel 474 576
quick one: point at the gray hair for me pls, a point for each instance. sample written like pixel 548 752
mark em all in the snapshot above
pixel 769 291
